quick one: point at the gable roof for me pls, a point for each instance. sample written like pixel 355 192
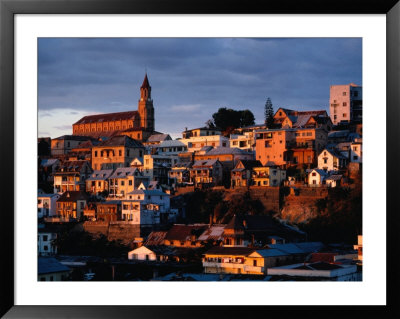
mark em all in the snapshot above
pixel 205 163
pixel 120 140
pixel 227 150
pixel 122 172
pixel 72 196
pixel 108 117
pixel 248 164
pixel 155 238
pixel 185 232
pixel 159 137
pixel 100 175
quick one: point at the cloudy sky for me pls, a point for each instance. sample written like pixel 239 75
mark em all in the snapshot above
pixel 190 78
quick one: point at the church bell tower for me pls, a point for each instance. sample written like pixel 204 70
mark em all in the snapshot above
pixel 145 106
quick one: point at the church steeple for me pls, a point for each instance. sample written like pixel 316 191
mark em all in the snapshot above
pixel 145 89
pixel 145 107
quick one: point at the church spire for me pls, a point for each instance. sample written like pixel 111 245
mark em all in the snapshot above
pixel 145 83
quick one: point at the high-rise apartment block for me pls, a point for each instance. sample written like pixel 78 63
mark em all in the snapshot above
pixel 345 103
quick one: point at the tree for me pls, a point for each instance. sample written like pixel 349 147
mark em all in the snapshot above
pixel 246 118
pixel 269 113
pixel 228 118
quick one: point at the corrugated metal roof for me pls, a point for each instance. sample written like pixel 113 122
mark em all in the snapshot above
pixel 120 140
pixel 100 175
pixel 48 265
pixel 272 252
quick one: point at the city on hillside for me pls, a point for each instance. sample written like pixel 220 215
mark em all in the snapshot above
pixel 278 199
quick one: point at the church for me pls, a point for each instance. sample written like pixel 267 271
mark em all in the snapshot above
pixel 138 124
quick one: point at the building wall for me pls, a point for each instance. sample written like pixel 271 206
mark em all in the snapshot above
pixel 45 244
pixel 196 143
pixel 120 156
pixel 58 276
pixel 342 97
pixel 62 146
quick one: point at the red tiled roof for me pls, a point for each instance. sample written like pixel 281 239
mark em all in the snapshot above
pixel 184 232
pixel 108 117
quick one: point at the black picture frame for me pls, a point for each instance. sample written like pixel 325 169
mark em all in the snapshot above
pixel 8 8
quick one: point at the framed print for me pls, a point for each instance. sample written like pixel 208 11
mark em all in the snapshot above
pixel 261 208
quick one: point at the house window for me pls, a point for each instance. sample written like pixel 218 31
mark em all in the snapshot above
pixel 95 153
pixel 314 182
pixel 344 104
pixel 119 153
pixel 344 93
pixel 45 248
pixel 344 114
pixel 122 183
pixel 254 263
pixel 325 160
pixel 355 157
pixel 130 182
pixel 44 237
pixel 314 174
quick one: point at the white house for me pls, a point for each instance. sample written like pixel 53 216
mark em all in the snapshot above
pixel 334 180
pixel 142 253
pixel 316 177
pixel 172 147
pixel 145 207
pixel 47 205
pixel 46 244
pixel 197 143
pixel 331 160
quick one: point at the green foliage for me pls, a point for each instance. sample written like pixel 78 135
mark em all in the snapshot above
pixel 269 113
pixel 228 118
pixel 83 243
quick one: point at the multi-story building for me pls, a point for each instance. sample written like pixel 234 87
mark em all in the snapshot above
pixel 97 182
pixel 123 181
pixel 268 176
pixel 196 143
pixel 71 176
pixel 246 141
pixel 345 103
pixel 172 147
pixel 241 260
pixel 356 151
pixel 71 204
pixel 64 144
pixel 290 146
pixel 46 244
pixel 201 131
pixel 206 172
pixel 331 160
pixel 242 174
pixel 156 167
pixel 109 210
pixel 115 152
pixel 47 205
pixel 146 207
pixel 180 173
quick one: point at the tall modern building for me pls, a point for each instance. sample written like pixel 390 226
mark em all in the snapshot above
pixel 345 103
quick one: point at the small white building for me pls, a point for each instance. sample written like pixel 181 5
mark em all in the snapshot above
pixel 47 205
pixel 334 180
pixel 142 253
pixel 316 177
pixel 331 160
